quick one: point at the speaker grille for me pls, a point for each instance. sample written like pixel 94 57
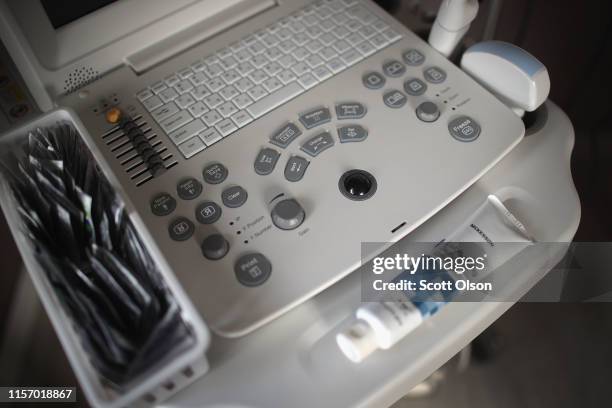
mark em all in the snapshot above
pixel 79 77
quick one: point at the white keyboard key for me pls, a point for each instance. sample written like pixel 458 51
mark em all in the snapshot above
pixel 287 61
pixel 171 80
pixel 287 46
pixel 224 53
pixel 327 39
pixel 158 87
pixel 366 48
pixel 272 68
pixel 228 62
pixel 215 84
pixel 198 109
pixel 314 61
pixel 242 101
pixel 244 84
pixel 354 39
pixel 300 68
pixel 301 39
pixel 353 25
pixel 257 92
pixel 287 76
pixel 379 25
pixel 226 127
pixel 314 31
pixel 185 73
pixel 198 66
pixel 230 76
pixel 367 32
pixel 322 73
pixel 259 61
pixel 168 95
pixel 184 101
pixel 243 55
pixel 257 48
pixel 192 147
pixel 198 78
pixel 273 53
pixel 211 118
pixel 229 92
pixel 300 54
pixel 328 53
pixel 307 80
pixel 144 94
pixel 200 92
pixel 164 111
pixel 213 70
pixel 284 34
pixel 227 109
pixel 275 99
pixel 336 65
pixel 272 84
pixel 210 136
pixel 152 103
pixel 211 59
pixel 379 41
pixel 327 25
pixel 186 132
pixel 241 118
pixel 341 46
pixel 183 87
pixel 270 40
pixel 176 121
pixel 351 57
pixel 391 35
pixel 258 76
pixel 212 101
pixel 314 46
pixel 244 68
pixel 340 32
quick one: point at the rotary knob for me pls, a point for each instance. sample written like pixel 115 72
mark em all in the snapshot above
pixel 288 214
pixel 214 247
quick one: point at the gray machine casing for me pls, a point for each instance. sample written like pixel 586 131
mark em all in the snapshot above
pixel 419 167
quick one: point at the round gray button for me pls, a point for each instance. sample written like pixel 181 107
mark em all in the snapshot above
pixel 234 197
pixel 189 188
pixel 163 204
pixel 181 229
pixel 208 212
pixel 413 57
pixel 394 99
pixel 288 214
pixel 374 80
pixel 214 247
pixel 215 173
pixel 434 75
pixel 252 269
pixel 428 112
pixel 394 68
pixel 464 129
pixel 415 86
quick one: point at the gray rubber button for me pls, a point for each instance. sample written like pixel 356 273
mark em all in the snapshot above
pixel 265 161
pixel 189 188
pixel 394 99
pixel 234 197
pixel 252 269
pixel 415 87
pixel 434 75
pixel 215 173
pixel 315 117
pixel 394 68
pixel 296 168
pixel 352 133
pixel 413 57
pixel 350 110
pixel 285 135
pixel 374 80
pixel 464 129
pixel 208 212
pixel 316 144
pixel 163 204
pixel 181 229
pixel 428 112
pixel 288 214
pixel 214 247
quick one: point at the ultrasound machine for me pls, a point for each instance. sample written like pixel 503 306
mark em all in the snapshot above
pixel 258 143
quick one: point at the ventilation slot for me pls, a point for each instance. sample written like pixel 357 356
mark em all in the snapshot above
pixel 129 159
pixel 80 77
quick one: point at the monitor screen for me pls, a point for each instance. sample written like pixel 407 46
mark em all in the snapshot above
pixel 62 12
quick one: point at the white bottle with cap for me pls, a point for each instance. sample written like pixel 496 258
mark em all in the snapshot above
pixel 378 325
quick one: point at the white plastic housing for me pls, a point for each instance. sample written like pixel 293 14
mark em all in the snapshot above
pixel 452 22
pixel 511 73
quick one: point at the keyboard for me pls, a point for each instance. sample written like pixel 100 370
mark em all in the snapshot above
pixel 210 99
